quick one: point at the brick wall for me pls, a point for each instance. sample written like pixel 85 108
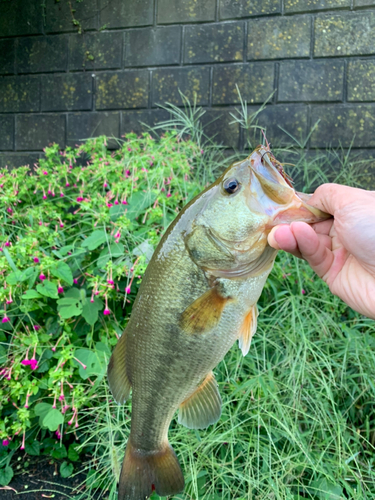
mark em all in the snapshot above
pixel 317 56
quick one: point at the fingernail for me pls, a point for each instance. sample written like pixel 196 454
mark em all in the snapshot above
pixel 272 239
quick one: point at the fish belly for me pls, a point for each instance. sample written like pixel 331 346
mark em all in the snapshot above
pixel 168 368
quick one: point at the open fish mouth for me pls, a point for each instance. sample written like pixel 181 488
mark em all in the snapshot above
pixel 275 193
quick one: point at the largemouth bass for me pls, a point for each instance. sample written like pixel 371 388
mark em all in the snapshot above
pixel 198 296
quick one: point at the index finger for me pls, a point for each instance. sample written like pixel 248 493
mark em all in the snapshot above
pixel 332 197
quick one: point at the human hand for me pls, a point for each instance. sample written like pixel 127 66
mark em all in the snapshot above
pixel 341 250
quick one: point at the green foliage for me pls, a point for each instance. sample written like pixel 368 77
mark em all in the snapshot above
pixel 75 239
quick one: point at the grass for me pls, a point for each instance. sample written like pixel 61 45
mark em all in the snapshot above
pixel 298 419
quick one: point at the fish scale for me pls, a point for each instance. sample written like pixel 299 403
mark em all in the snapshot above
pixel 197 297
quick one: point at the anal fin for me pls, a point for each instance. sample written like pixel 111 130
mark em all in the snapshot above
pixel 204 313
pixel 203 407
pixel 118 379
pixel 248 329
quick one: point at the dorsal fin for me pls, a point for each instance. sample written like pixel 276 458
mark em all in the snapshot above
pixel 248 329
pixel 204 313
pixel 203 407
pixel 118 379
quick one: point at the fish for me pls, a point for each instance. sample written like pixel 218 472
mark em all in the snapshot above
pixel 197 298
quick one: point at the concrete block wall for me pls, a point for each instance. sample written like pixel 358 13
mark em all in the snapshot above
pixel 317 58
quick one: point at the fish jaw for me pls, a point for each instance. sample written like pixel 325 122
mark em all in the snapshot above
pixel 299 210
pixel 275 195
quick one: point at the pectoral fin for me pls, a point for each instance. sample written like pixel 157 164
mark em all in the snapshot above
pixel 117 374
pixel 204 313
pixel 248 329
pixel 203 407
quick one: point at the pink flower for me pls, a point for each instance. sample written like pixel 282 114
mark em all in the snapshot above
pixel 42 277
pixel 79 198
pixel 36 260
pixel 61 194
pixel 5 442
pixel 116 201
pixel 45 172
pixel 303 291
pixel 202 151
pixel 75 281
pixel 169 195
pixel 105 184
pixel 7 244
pixel 129 149
pixel 60 289
pixel 33 364
pixel 5 319
pixel 106 311
pixel 109 205
pixel 127 290
pixel 67 184
pixel 37 327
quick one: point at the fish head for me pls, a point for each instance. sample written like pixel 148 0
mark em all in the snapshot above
pixel 245 203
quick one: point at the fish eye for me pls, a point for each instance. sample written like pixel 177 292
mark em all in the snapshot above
pixel 231 185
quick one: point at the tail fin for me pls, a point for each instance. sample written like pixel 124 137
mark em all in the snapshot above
pixel 143 472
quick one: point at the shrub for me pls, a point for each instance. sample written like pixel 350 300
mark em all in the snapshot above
pixel 76 236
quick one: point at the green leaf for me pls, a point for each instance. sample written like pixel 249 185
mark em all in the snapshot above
pixel 63 271
pixel 95 361
pixel 72 453
pixel 66 469
pixel 32 277
pixel 95 239
pixel 43 366
pixel 73 293
pixel 48 289
pixel 28 273
pixel 116 211
pixel 33 448
pixel 71 304
pixel 59 452
pixel 70 311
pixel 14 278
pixel 102 347
pixel 114 250
pixel 41 410
pixel 139 202
pixel 67 248
pixel 10 260
pixel 53 419
pixel 326 490
pixel 146 249
pixel 31 294
pixel 6 475
pixel 91 310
